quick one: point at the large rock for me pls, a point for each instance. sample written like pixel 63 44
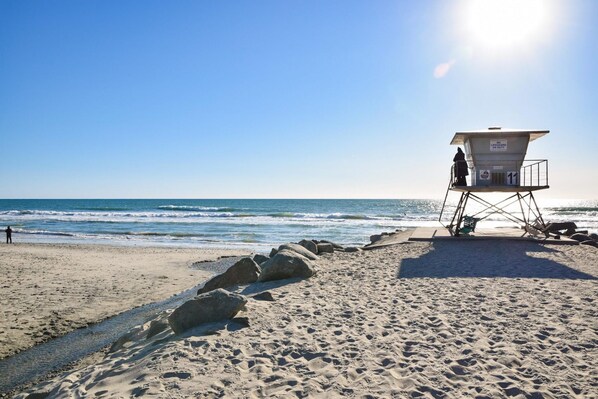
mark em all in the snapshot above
pixel 287 264
pixel 298 249
pixel 213 306
pixel 310 246
pixel 245 271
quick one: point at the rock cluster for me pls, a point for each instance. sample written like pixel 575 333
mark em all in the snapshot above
pixel 313 247
pixel 214 303
pixel 570 229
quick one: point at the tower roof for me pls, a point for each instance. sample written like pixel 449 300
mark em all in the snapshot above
pixel 460 137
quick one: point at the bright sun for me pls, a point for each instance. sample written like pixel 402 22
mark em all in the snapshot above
pixel 505 23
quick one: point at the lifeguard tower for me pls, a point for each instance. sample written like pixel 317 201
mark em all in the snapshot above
pixel 496 163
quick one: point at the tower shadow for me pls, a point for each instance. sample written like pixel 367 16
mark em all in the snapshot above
pixel 501 258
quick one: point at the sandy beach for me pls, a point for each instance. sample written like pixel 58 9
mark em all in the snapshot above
pixel 483 319
pixel 48 290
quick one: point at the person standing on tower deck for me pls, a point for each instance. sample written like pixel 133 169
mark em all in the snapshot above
pixel 460 168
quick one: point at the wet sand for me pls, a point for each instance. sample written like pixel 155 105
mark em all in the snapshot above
pixel 48 290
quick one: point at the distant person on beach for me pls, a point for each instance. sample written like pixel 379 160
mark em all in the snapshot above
pixel 8 232
pixel 460 168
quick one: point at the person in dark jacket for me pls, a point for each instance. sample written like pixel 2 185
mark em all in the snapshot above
pixel 8 232
pixel 460 168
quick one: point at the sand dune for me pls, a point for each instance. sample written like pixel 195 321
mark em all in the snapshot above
pixel 430 320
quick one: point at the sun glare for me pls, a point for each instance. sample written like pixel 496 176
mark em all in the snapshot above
pixel 505 23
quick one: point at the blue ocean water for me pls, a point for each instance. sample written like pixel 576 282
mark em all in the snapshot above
pixel 255 223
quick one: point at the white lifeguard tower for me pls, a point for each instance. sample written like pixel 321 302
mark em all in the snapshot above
pixel 496 163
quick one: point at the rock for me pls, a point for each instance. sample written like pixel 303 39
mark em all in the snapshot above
pixel 244 271
pixel 594 236
pixel 581 237
pixel 244 321
pixel 310 246
pixel 156 327
pixel 325 247
pixel 133 335
pixel 375 238
pixel 569 232
pixel 273 252
pixel 258 258
pixel 212 306
pixel 38 395
pixel 590 242
pixel 556 227
pixel 264 296
pixel 334 245
pixel 298 249
pixel 119 343
pixel 287 264
pixel 353 249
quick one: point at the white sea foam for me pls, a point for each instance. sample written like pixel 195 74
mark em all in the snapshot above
pixel 245 222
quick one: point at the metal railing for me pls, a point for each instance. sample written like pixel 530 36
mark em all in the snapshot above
pixel 534 173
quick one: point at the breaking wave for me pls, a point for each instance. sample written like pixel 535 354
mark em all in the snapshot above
pixel 190 208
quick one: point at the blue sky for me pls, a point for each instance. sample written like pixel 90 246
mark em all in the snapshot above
pixel 281 99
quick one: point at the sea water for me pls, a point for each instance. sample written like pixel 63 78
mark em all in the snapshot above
pixel 249 223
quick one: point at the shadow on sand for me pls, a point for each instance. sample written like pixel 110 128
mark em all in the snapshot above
pixel 258 287
pixel 513 259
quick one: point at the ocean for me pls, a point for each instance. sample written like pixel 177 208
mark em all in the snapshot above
pixel 249 223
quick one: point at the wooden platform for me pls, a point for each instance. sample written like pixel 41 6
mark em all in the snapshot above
pixel 498 189
pixel 441 233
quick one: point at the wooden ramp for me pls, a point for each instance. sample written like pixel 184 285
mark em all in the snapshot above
pixel 441 233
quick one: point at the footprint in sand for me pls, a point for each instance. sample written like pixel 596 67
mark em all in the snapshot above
pixel 177 374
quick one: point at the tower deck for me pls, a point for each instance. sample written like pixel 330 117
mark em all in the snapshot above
pixel 499 189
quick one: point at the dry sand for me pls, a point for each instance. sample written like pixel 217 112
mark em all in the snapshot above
pixel 47 290
pixel 486 319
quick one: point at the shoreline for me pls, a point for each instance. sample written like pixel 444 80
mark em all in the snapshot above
pixel 49 290
pixel 136 242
